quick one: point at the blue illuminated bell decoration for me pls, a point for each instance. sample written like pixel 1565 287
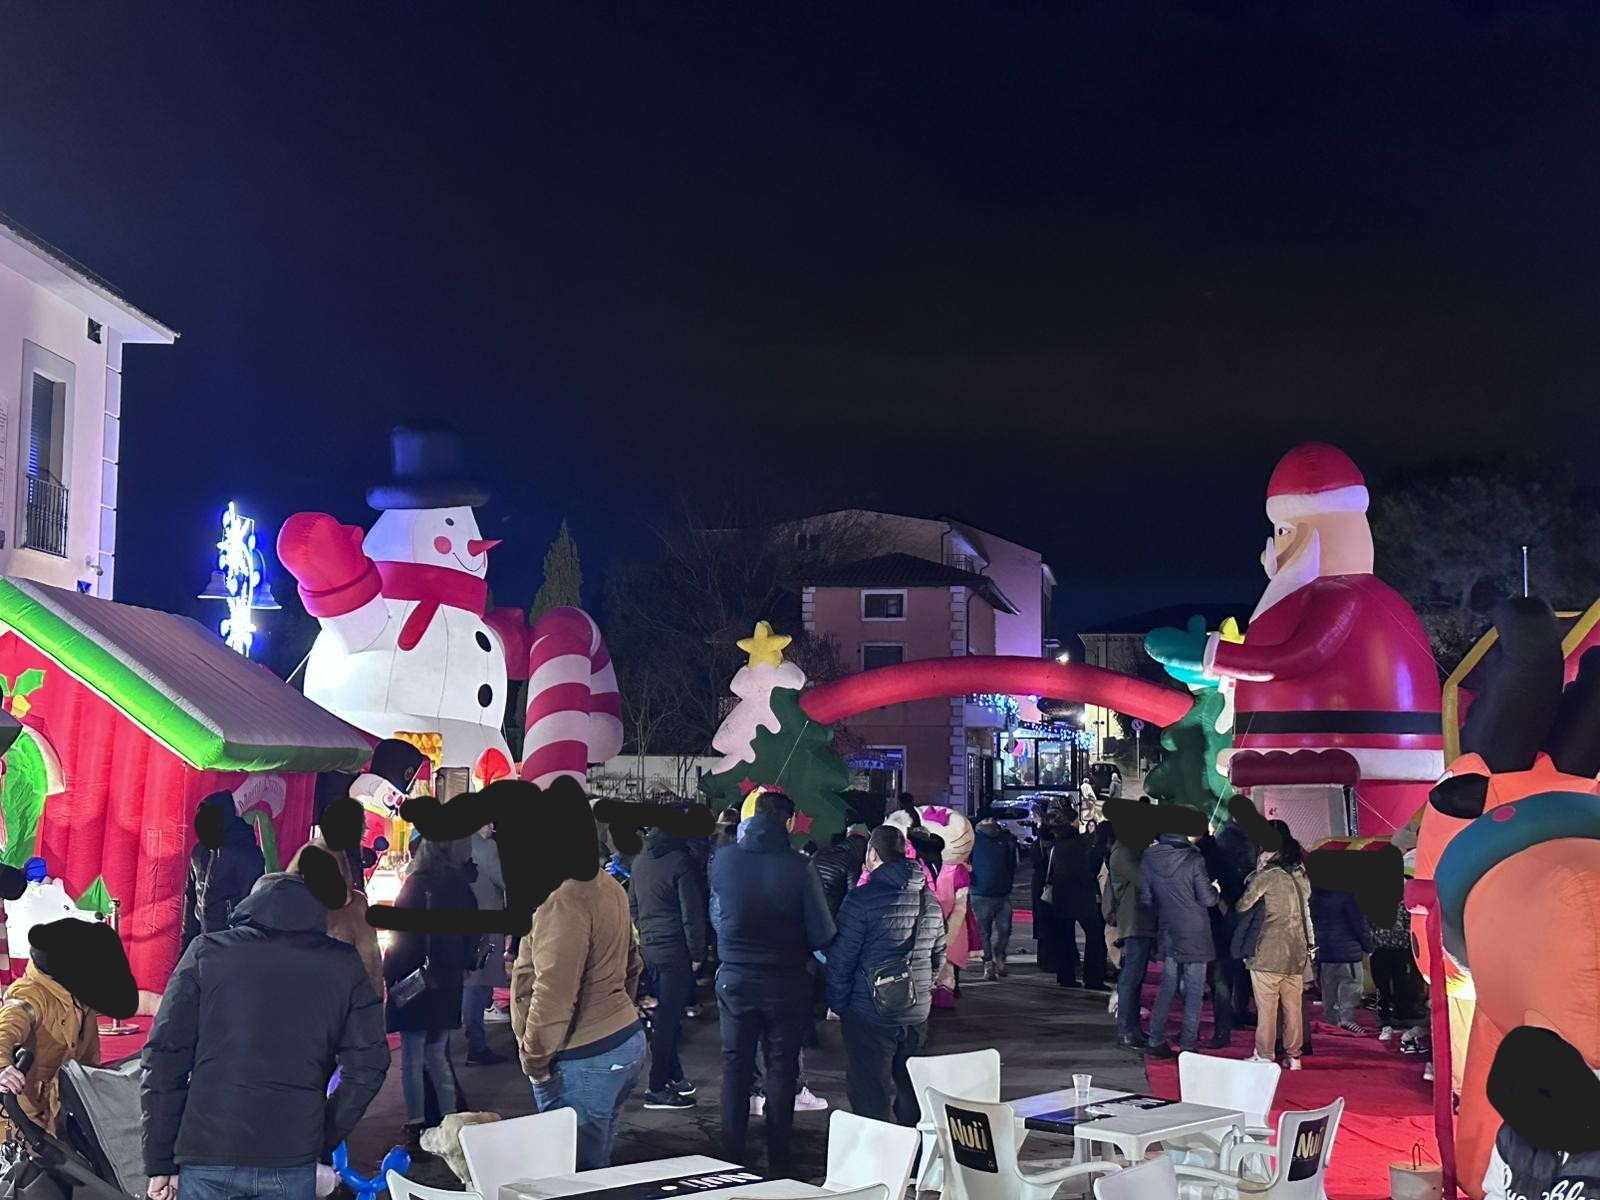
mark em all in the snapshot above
pixel 239 580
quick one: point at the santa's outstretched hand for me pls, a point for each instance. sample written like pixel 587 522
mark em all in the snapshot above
pixel 339 584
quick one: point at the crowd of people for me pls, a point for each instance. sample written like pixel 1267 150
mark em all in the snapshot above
pixel 1225 919
pixel 602 984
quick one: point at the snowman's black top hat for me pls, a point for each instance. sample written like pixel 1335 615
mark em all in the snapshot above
pixel 428 472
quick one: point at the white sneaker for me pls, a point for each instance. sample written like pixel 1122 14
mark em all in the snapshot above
pixel 832 1016
pixel 805 1101
pixel 1386 1033
pixel 758 1106
pixel 1294 1064
pixel 1427 1073
pixel 496 1016
pixel 1256 1058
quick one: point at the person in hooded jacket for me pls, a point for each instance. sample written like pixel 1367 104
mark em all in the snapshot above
pixel 1284 944
pixel 668 905
pixel 881 968
pixel 1175 885
pixel 1046 928
pixel 1136 935
pixel 994 874
pixel 772 917
pixel 1344 938
pixel 254 1021
pixel 220 879
pixel 437 880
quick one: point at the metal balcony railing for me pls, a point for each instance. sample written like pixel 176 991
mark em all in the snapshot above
pixel 47 516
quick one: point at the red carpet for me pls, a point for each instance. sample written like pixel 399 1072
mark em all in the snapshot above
pixel 1387 1106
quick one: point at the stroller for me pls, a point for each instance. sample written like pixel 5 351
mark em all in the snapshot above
pixel 96 1153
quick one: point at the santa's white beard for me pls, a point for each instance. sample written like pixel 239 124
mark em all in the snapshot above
pixel 1283 579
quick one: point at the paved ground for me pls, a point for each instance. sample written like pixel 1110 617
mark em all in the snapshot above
pixel 1044 1034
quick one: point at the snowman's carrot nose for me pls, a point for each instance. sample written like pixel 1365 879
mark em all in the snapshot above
pixel 479 546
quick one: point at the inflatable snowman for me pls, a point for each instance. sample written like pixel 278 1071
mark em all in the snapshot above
pixel 404 645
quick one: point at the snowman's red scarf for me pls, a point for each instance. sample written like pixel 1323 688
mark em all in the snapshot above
pixel 430 587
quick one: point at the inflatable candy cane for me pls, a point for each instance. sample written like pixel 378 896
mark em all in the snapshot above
pixel 574 715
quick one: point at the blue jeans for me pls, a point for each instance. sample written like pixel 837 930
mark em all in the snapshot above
pixel 247 1183
pixel 596 1088
pixel 994 924
pixel 1194 995
pixel 474 999
pixel 426 1052
pixel 1130 985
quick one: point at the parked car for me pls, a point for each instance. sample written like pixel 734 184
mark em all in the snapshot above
pixel 1018 818
pixel 1106 779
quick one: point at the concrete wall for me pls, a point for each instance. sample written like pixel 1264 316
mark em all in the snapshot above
pixel 32 316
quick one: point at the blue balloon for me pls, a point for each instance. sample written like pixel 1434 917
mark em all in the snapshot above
pixel 36 870
pixel 396 1160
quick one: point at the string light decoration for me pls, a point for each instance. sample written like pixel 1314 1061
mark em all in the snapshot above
pixel 239 580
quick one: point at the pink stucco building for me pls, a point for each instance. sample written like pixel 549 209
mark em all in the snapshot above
pixel 931 588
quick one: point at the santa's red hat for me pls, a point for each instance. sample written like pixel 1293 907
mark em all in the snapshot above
pixel 1313 479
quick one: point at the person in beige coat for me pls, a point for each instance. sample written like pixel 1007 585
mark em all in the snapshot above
pixel 1284 948
pixel 572 1009
pixel 348 924
pixel 41 1014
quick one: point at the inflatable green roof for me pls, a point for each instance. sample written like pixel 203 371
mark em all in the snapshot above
pixel 179 682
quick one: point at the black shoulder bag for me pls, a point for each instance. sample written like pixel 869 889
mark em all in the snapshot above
pixel 404 991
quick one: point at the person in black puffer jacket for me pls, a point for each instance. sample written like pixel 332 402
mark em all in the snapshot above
pixel 1343 939
pixel 669 910
pixel 891 921
pixel 772 917
pixel 254 1021
pixel 220 879
pixel 839 866
pixel 437 881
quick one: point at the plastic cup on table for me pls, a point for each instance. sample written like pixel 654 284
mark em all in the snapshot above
pixel 1080 1088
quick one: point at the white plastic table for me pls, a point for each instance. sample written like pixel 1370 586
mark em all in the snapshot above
pixel 1133 1133
pixel 649 1172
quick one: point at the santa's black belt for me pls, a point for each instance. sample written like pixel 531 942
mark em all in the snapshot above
pixel 1339 721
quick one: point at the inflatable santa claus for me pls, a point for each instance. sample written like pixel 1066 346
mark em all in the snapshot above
pixel 1334 661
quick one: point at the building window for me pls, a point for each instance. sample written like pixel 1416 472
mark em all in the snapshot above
pixel 44 450
pixel 881 654
pixel 883 606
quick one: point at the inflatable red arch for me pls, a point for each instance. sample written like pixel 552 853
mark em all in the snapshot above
pixel 933 678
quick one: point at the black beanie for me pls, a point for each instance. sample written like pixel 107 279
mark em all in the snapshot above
pixel 397 761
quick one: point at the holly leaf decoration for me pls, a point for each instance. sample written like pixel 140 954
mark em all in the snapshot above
pixel 30 680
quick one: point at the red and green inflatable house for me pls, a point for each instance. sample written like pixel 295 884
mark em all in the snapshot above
pixel 130 716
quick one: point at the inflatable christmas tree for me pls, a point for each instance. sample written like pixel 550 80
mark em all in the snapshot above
pixel 768 741
pixel 1189 774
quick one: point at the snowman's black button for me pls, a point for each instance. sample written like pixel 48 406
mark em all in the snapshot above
pixel 483 640
pixel 485 696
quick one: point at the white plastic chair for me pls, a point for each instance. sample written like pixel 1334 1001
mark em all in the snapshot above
pixel 1249 1087
pixel 401 1188
pixel 1295 1175
pixel 978 1145
pixel 863 1153
pixel 873 1191
pixel 975 1074
pixel 532 1147
pixel 1153 1179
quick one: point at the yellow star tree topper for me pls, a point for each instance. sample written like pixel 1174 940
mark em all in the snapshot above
pixel 764 647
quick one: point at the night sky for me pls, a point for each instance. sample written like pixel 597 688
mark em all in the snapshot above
pixel 1076 278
